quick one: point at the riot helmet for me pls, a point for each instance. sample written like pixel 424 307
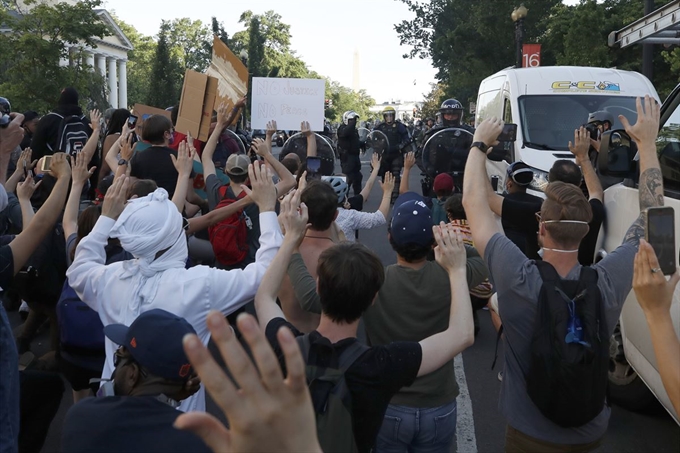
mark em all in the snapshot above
pixel 451 113
pixel 349 115
pixel 601 117
pixel 5 109
pixel 391 113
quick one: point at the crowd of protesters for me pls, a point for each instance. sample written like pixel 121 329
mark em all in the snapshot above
pixel 137 245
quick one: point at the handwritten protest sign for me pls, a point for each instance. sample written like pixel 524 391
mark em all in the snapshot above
pixel 288 101
pixel 230 72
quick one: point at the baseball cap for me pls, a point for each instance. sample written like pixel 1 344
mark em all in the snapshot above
pixel 520 173
pixel 443 182
pixel 411 220
pixel 237 164
pixel 154 340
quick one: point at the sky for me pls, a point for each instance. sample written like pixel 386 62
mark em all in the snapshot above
pixel 324 34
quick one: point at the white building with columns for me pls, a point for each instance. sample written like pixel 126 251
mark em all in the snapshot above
pixel 109 57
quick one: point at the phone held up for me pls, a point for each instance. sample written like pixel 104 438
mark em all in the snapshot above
pixel 46 162
pixel 132 122
pixel 313 167
pixel 660 234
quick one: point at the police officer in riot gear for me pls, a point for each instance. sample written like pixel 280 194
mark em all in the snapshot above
pixel 398 137
pixel 349 147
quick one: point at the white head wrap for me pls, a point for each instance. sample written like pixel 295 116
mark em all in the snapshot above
pixel 147 226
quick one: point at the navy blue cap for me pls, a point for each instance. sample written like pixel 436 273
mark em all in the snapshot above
pixel 411 221
pixel 520 173
pixel 154 340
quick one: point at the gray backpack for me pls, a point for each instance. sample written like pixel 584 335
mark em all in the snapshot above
pixel 331 398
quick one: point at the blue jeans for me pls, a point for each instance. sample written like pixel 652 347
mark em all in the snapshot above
pixel 426 430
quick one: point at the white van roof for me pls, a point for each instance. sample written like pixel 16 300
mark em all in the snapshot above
pixel 575 80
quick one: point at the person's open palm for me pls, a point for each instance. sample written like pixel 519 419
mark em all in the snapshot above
pixel 267 413
pixel 294 216
pixel 581 143
pixel 450 250
pixel 263 190
pixel 388 184
pixel 116 198
pixel 646 128
pixel 79 172
pixel 184 162
pixel 410 160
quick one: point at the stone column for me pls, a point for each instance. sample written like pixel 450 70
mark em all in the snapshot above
pixel 101 65
pixel 122 84
pixel 89 59
pixel 113 83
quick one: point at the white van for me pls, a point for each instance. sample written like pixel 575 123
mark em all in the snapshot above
pixel 547 104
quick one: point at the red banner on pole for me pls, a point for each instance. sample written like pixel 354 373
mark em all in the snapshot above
pixel 531 55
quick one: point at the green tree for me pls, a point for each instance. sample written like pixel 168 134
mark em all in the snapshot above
pixel 188 39
pixel 344 99
pixel 31 75
pixel 166 75
pixel 433 100
pixel 140 63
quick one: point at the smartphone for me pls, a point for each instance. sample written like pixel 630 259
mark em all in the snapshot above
pixel 509 133
pixel 660 234
pixel 132 121
pixel 46 163
pixel 314 167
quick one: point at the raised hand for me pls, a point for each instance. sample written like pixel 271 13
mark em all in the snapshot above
pixel 305 128
pixel 375 162
pixel 646 128
pixel 261 147
pixel 581 143
pixel 267 412
pixel 222 115
pixel 116 198
pixel 271 128
pixel 26 188
pixel 95 120
pixel 488 131
pixel 263 191
pixel 126 148
pixel 80 173
pixel 294 216
pixel 59 166
pixel 653 291
pixel 450 251
pixel 184 162
pixel 241 102
pixel 410 160
pixel 387 185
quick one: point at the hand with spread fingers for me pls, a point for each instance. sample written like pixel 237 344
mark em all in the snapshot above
pixel 79 173
pixel 267 412
pixel 305 129
pixel 116 198
pixel 263 190
pixel 261 147
pixel 653 291
pixel 184 162
pixel 387 185
pixel 95 120
pixel 294 217
pixel 646 128
pixel 271 129
pixel 409 160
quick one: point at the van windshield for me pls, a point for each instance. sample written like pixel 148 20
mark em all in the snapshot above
pixel 548 122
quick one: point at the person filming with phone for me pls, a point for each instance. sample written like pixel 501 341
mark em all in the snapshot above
pixel 540 415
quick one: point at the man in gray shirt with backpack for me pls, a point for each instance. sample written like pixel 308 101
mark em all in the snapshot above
pixel 558 316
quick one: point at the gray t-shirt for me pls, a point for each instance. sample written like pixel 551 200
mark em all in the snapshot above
pixel 518 283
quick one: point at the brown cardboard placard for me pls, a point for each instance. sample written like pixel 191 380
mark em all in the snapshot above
pixel 197 104
pixel 142 112
pixel 231 73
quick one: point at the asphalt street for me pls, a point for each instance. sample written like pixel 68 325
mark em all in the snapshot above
pixel 481 428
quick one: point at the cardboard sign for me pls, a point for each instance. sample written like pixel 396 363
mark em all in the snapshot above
pixel 230 72
pixel 289 102
pixel 197 105
pixel 142 112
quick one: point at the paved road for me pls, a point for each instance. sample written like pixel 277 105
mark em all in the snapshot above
pixel 480 425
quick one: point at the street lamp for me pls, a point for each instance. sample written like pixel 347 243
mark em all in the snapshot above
pixel 518 16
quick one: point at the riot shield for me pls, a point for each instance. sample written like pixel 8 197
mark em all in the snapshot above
pixel 233 142
pixel 363 137
pixel 446 151
pixel 297 144
pixel 377 142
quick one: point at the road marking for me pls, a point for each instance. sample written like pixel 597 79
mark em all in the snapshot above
pixel 465 423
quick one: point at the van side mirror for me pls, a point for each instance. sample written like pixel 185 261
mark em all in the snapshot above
pixel 616 155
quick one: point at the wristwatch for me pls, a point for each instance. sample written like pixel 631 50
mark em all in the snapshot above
pixel 122 162
pixel 483 147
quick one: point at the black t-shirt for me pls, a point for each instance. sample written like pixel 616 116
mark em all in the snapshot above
pixel 373 379
pixel 155 163
pixel 519 221
pixel 126 423
pixel 6 266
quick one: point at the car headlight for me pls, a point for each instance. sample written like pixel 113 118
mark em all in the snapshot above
pixel 540 180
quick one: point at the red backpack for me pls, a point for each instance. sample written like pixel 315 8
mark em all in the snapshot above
pixel 229 237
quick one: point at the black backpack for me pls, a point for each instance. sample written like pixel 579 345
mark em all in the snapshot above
pixel 73 134
pixel 331 398
pixel 567 379
pixel 42 277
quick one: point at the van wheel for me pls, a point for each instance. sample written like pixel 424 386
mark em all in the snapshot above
pixel 626 389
